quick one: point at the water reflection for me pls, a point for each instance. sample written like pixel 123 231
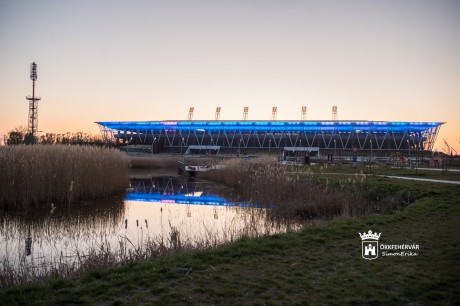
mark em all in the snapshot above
pixel 173 190
pixel 165 212
pixel 189 209
pixel 38 236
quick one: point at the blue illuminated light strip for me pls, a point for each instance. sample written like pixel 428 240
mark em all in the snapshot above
pixel 273 126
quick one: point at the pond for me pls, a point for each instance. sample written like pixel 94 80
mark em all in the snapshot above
pixel 157 214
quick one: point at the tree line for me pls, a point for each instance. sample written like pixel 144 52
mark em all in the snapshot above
pixel 21 136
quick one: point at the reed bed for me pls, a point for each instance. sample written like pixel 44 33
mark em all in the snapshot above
pixel 24 269
pixel 293 196
pixel 32 175
pixel 73 249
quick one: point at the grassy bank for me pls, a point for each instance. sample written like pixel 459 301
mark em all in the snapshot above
pixel 31 175
pixel 319 265
pixel 432 173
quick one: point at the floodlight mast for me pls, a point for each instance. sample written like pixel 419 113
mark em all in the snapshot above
pixel 33 72
pixel 33 104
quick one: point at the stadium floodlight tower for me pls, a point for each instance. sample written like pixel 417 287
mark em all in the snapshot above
pixel 33 104
pixel 245 113
pixel 190 113
pixel 334 113
pixel 274 113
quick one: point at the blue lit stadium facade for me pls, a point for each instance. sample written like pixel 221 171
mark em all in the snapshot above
pixel 231 136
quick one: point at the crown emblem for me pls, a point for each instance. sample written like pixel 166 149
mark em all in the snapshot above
pixel 370 235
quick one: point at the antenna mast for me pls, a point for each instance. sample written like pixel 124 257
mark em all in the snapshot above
pixel 33 104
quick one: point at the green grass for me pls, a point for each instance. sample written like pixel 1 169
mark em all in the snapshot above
pixel 319 265
pixel 406 172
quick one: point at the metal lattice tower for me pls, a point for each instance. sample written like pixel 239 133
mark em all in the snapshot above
pixel 217 117
pixel 245 113
pixel 274 112
pixel 33 103
pixel 334 113
pixel 304 113
pixel 190 113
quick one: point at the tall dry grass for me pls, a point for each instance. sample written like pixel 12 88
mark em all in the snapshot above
pixel 72 243
pixel 31 175
pixel 291 196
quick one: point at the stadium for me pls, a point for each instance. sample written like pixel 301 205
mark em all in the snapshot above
pixel 223 136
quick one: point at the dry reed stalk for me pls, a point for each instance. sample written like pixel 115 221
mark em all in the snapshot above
pixel 99 255
pixel 57 173
pixel 102 253
pixel 292 197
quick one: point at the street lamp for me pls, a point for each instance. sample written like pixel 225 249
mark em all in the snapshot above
pixel 408 146
pixel 371 155
pixel 153 143
pixel 181 144
pixel 335 148
pixel 239 147
pixel 300 147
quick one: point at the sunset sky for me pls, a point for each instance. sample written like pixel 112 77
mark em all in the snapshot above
pixel 152 60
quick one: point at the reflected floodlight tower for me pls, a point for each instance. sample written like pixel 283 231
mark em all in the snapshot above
pixel 245 113
pixel 217 117
pixel 33 103
pixel 190 113
pixel 304 113
pixel 334 113
pixel 274 112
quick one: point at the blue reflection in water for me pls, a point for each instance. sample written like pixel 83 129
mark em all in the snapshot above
pixel 182 199
pixel 175 190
